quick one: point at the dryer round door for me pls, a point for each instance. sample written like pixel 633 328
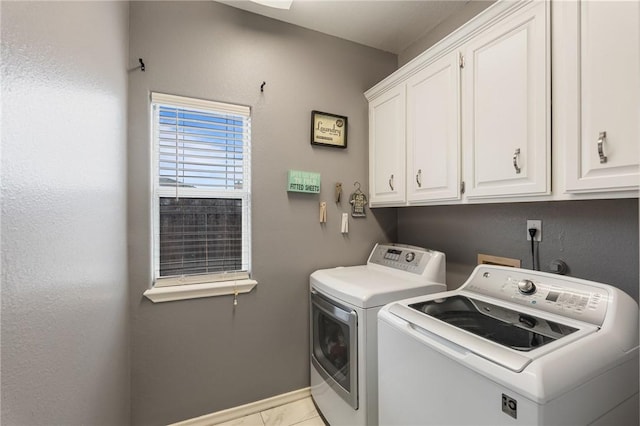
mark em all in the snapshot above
pixel 334 351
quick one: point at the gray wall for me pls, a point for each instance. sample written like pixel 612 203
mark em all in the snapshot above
pixel 64 255
pixel 199 356
pixel 598 239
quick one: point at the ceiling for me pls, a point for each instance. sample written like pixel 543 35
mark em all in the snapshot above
pixel 389 25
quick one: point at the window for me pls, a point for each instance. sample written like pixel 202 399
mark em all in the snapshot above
pixel 201 191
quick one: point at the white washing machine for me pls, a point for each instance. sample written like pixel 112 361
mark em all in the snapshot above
pixel 511 347
pixel 344 305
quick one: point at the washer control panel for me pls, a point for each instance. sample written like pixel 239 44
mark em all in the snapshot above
pixel 403 257
pixel 562 295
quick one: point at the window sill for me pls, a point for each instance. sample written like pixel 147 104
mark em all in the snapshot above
pixel 195 291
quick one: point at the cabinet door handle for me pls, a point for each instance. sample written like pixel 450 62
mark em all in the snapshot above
pixel 419 178
pixel 516 157
pixel 391 182
pixel 601 140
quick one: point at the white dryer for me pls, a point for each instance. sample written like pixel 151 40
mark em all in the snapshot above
pixel 511 347
pixel 344 305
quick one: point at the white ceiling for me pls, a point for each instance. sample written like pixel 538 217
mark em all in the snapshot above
pixel 389 25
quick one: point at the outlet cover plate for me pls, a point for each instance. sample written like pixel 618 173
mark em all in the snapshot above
pixel 537 224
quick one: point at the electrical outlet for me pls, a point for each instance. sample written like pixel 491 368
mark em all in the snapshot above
pixel 537 224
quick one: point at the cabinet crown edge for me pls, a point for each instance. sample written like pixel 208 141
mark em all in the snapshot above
pixel 496 12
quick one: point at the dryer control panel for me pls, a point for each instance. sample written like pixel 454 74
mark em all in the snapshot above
pixel 562 295
pixel 416 260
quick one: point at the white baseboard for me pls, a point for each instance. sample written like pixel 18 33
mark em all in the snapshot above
pixel 245 410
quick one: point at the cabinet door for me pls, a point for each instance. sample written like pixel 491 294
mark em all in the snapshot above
pixel 603 77
pixel 433 140
pixel 505 98
pixel 387 148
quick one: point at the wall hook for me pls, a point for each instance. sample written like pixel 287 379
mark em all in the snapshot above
pixel 262 86
pixel 142 68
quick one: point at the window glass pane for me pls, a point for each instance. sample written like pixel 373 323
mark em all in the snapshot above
pixel 201 149
pixel 200 235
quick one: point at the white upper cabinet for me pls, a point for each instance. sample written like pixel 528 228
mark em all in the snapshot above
pixel 387 148
pixel 484 125
pixel 433 141
pixel 469 120
pixel 506 107
pixel 598 81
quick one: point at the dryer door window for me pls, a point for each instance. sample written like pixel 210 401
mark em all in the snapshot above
pixel 334 346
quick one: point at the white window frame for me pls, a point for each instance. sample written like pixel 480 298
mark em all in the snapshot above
pixel 199 285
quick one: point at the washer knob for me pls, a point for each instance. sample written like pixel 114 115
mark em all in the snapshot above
pixel 410 256
pixel 526 287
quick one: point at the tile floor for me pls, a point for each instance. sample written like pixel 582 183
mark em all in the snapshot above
pixel 298 413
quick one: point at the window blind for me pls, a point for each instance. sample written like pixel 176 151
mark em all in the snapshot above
pixel 202 190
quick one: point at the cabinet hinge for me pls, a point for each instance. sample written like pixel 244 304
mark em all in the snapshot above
pixel 461 60
pixel 462 187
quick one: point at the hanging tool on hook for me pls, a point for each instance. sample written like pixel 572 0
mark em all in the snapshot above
pixel 142 67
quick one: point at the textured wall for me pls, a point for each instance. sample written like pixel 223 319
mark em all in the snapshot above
pixel 598 239
pixel 199 356
pixel 64 255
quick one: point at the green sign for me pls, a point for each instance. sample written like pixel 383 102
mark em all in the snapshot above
pixel 303 182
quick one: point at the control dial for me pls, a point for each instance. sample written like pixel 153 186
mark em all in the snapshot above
pixel 526 287
pixel 410 256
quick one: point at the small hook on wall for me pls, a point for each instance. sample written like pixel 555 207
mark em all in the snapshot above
pixel 142 67
pixel 262 86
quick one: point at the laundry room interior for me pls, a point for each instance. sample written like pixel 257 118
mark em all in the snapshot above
pixel 88 337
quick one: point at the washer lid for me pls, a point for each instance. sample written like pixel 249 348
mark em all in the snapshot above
pixel 484 346
pixel 368 286
pixel 504 326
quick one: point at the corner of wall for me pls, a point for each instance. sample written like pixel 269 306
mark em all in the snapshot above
pixel 443 29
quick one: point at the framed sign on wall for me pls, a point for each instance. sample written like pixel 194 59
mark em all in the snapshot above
pixel 328 129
